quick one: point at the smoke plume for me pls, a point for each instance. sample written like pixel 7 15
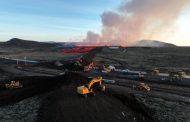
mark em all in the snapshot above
pixel 137 19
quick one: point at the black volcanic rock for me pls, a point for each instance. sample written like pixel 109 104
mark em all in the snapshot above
pixel 20 43
pixel 153 43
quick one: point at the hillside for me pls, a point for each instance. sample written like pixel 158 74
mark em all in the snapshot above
pixel 153 43
pixel 20 43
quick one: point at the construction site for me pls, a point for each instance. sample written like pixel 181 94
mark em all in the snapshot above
pixel 104 84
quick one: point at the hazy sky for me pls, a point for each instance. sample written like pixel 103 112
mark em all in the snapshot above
pixel 66 20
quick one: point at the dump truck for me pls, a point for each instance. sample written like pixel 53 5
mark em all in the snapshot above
pixel 87 89
pixel 13 85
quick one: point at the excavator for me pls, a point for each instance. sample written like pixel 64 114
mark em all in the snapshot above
pixel 87 89
pixel 108 69
pixel 89 67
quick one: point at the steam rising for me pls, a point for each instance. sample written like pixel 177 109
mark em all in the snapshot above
pixel 136 20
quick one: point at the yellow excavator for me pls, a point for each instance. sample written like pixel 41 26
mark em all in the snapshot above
pixel 87 89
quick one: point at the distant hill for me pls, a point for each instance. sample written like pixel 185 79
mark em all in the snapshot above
pixel 152 43
pixel 15 42
pixel 28 44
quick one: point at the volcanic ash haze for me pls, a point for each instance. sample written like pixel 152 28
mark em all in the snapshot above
pixel 138 19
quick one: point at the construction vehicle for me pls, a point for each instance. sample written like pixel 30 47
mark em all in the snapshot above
pixel 142 87
pixel 13 85
pixel 78 62
pixel 176 75
pixel 108 69
pixel 153 71
pixel 87 89
pixel 89 67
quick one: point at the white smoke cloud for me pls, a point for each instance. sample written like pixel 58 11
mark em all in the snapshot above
pixel 136 20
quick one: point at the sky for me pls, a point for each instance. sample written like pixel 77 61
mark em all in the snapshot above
pixel 68 20
pixel 51 20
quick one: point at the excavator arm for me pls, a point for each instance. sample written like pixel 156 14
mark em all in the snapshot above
pixel 95 80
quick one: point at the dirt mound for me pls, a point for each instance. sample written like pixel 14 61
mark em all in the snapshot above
pixel 66 105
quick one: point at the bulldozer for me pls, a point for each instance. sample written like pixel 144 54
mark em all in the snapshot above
pixel 87 89
pixel 142 87
pixel 13 85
